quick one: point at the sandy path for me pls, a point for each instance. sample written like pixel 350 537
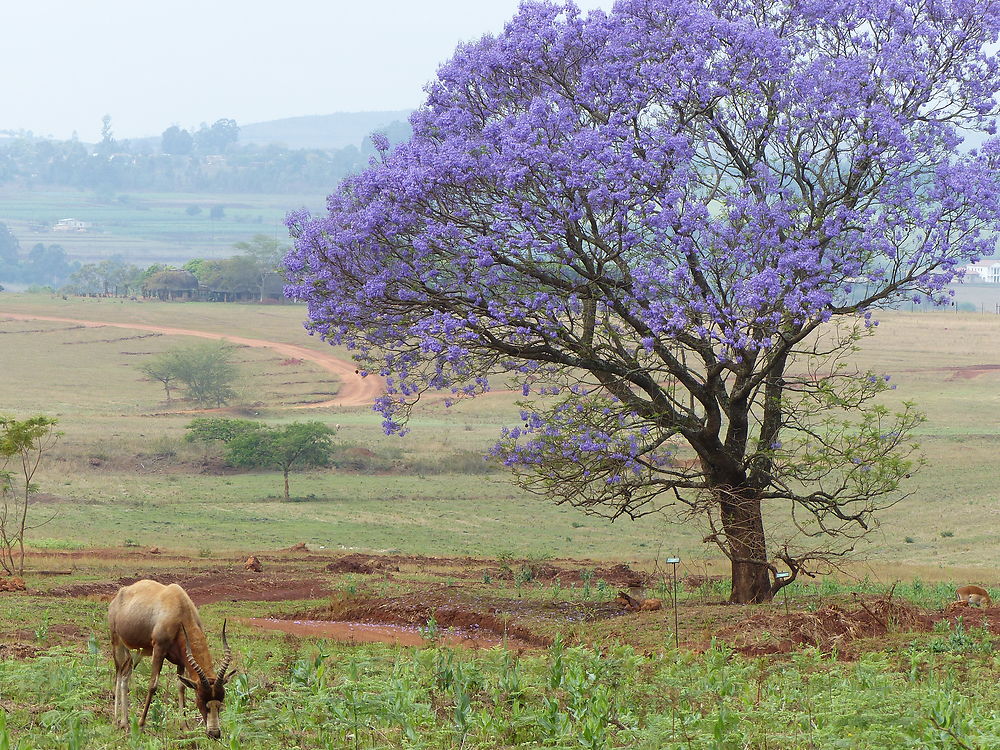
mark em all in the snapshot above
pixel 354 390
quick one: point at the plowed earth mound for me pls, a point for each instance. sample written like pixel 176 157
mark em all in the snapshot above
pixel 215 586
pixel 364 564
pixel 17 651
pixel 617 575
pixel 832 628
pixel 972 617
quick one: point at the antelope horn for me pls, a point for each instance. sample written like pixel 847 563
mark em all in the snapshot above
pixel 227 656
pixel 191 660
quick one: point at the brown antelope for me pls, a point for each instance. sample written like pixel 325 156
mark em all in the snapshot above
pixel 627 601
pixel 975 595
pixel 162 622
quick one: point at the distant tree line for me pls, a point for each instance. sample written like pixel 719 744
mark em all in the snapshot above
pixel 44 265
pixel 253 273
pixel 209 159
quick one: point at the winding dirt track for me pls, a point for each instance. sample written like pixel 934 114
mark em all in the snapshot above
pixel 354 390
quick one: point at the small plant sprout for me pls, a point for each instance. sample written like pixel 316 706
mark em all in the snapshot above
pixel 430 631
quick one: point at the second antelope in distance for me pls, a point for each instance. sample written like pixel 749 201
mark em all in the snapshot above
pixel 974 595
pixel 162 622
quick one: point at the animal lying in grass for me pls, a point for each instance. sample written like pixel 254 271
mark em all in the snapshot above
pixel 975 596
pixel 631 603
pixel 162 622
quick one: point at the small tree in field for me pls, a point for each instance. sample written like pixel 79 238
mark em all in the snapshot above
pixel 208 430
pixel 163 368
pixel 23 443
pixel 205 369
pixel 296 445
pixel 672 223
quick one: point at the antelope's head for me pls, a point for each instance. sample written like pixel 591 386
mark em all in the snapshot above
pixel 209 693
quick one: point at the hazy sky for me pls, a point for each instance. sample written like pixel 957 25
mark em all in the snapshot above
pixel 67 63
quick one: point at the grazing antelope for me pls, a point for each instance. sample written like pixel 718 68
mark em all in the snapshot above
pixel 627 601
pixel 975 595
pixel 162 622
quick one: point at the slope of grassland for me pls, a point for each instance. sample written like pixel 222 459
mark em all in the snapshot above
pixel 949 363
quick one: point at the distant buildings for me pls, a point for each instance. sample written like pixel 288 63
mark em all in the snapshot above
pixel 71 225
pixel 984 272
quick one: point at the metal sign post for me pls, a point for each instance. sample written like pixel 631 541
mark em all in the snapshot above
pixel 781 577
pixel 674 561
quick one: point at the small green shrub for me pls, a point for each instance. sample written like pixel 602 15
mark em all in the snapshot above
pixel 56 544
pixel 430 631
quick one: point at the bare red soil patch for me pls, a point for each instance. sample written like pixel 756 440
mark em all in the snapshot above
pixel 490 619
pixel 363 564
pixel 616 575
pixel 418 608
pixel 18 651
pixel 398 635
pixel 959 372
pixel 972 617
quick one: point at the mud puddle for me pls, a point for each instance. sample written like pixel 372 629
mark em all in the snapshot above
pixel 399 635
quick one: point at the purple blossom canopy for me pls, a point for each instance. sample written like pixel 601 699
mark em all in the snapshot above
pixel 717 168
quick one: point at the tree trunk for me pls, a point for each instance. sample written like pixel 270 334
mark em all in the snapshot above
pixel 24 522
pixel 743 525
pixel 286 484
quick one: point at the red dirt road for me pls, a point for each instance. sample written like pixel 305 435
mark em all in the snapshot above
pixel 354 390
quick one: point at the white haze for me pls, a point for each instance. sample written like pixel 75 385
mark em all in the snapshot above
pixel 65 63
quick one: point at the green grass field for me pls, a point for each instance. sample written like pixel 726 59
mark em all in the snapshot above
pixel 304 695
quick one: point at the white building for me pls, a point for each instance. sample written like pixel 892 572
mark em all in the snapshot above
pixel 71 225
pixel 983 272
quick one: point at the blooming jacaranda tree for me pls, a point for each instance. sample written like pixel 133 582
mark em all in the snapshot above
pixel 670 224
